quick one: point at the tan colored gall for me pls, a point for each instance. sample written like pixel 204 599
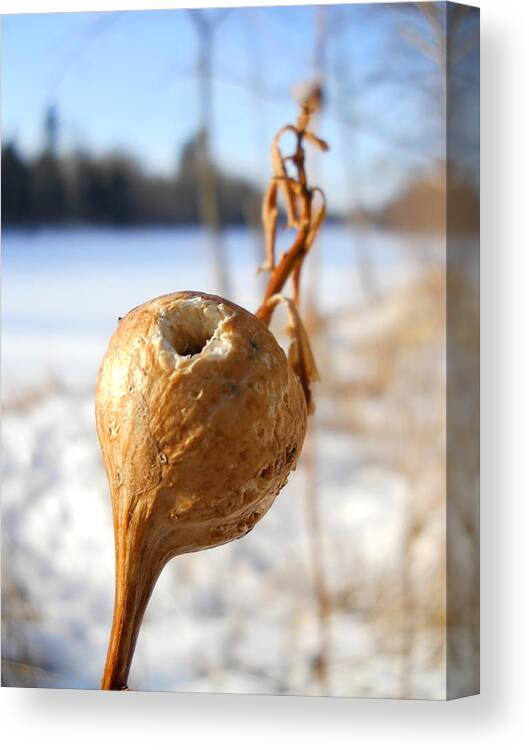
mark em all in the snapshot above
pixel 200 419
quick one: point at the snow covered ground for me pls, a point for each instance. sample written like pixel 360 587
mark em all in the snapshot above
pixel 63 290
pixel 239 618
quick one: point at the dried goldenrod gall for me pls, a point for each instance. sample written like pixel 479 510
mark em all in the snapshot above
pixel 200 419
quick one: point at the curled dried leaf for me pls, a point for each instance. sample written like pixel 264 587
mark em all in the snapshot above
pixel 281 175
pixel 318 142
pixel 300 355
pixel 317 219
pixel 269 216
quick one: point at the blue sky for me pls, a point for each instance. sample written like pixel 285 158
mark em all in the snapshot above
pixel 128 82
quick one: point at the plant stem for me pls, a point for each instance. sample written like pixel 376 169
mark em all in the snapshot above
pixel 136 575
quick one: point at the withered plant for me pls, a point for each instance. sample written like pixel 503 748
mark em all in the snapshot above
pixel 305 217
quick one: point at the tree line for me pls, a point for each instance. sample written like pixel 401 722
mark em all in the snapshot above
pixel 114 190
pixel 80 188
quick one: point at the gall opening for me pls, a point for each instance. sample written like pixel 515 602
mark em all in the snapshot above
pixel 187 346
pixel 187 327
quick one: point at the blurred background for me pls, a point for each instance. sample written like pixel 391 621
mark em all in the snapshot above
pixel 135 151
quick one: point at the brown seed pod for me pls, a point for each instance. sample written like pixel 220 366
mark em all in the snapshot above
pixel 200 418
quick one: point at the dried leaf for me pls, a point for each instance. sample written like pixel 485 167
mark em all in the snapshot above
pixel 281 174
pixel 318 142
pixel 269 216
pixel 317 221
pixel 300 354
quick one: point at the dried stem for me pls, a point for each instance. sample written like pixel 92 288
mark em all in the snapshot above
pixel 299 200
pixel 138 565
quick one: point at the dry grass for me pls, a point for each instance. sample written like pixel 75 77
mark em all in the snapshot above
pixel 384 381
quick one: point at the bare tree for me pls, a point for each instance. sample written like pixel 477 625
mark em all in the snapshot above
pixel 206 27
